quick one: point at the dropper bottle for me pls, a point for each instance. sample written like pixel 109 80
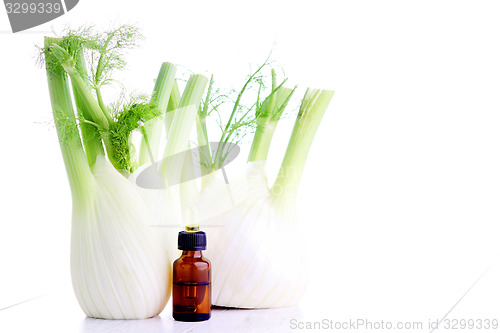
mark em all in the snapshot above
pixel 191 292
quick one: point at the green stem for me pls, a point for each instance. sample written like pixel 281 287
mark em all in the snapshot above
pixel 264 134
pixel 201 131
pixel 90 133
pixel 98 73
pixel 202 134
pixel 205 161
pixel 261 142
pixel 99 116
pixel 100 100
pixel 173 104
pixel 312 109
pixel 161 96
pixel 267 122
pixel 218 154
pixel 181 127
pixel 272 99
pixel 79 175
pixel 175 98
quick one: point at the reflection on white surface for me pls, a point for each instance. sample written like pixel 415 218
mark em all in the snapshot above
pixel 155 324
pixel 59 311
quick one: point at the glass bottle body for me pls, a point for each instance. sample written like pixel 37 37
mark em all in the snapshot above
pixel 191 292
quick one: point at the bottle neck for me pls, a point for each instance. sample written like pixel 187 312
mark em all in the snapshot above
pixel 192 254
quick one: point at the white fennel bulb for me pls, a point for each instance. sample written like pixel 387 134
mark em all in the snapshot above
pixel 119 266
pixel 119 256
pixel 255 245
pixel 119 263
pixel 253 248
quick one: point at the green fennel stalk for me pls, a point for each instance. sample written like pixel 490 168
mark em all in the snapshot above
pixel 202 134
pixel 79 175
pixel 267 115
pixel 173 104
pixel 313 106
pixel 90 133
pixel 182 124
pixel 161 97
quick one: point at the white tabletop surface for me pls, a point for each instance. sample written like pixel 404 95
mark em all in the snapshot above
pixel 58 311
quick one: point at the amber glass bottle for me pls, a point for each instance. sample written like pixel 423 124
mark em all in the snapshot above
pixel 191 292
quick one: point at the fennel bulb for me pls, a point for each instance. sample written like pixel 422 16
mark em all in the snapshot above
pixel 255 245
pixel 119 264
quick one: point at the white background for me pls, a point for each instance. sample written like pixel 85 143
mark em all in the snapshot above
pixel 401 191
